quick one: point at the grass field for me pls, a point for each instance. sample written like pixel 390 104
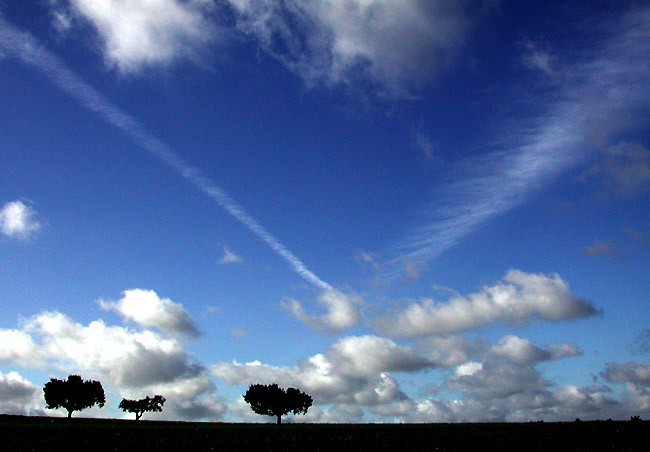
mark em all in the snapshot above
pixel 41 433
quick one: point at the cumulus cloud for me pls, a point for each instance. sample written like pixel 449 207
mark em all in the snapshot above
pixel 522 351
pixel 193 397
pixel 357 376
pixel 132 363
pixel 518 298
pixel 17 347
pixel 502 382
pixel 18 220
pixel 19 396
pixel 394 44
pixel 138 34
pixel 342 311
pixel 636 378
pixel 632 372
pixel 146 308
pixel 353 371
pixel 127 358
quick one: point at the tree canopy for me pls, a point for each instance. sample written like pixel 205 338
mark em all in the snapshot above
pixel 139 407
pixel 73 394
pixel 271 400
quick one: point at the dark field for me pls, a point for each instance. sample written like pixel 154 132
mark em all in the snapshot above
pixel 36 433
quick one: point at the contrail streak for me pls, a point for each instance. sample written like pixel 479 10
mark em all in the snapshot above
pixel 22 45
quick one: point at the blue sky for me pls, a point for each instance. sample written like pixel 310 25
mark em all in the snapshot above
pixel 415 211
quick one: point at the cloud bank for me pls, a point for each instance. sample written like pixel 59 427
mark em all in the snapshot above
pixel 133 363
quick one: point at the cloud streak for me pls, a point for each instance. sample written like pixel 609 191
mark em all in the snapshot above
pixel 600 98
pixel 24 46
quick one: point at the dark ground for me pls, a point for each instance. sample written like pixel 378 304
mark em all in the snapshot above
pixel 19 433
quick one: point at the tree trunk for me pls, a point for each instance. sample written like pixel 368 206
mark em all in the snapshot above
pixel 69 414
pixel 279 419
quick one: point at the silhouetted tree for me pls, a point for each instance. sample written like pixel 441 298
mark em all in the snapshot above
pixel 139 407
pixel 271 400
pixel 73 394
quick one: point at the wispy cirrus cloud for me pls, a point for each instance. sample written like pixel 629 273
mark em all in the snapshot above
pixel 598 99
pixel 393 44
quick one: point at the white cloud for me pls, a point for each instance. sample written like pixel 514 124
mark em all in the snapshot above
pixel 522 351
pixel 133 363
pixel 354 370
pixel 26 48
pixel 192 397
pixel 356 376
pixel 17 347
pixel 517 299
pixel 125 357
pixel 632 372
pixel 230 258
pixel 601 97
pixel 138 34
pixel 502 383
pixel 395 44
pixel 18 220
pixel 342 311
pixel 636 378
pixel 20 396
pixel 146 308
pixel 368 355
